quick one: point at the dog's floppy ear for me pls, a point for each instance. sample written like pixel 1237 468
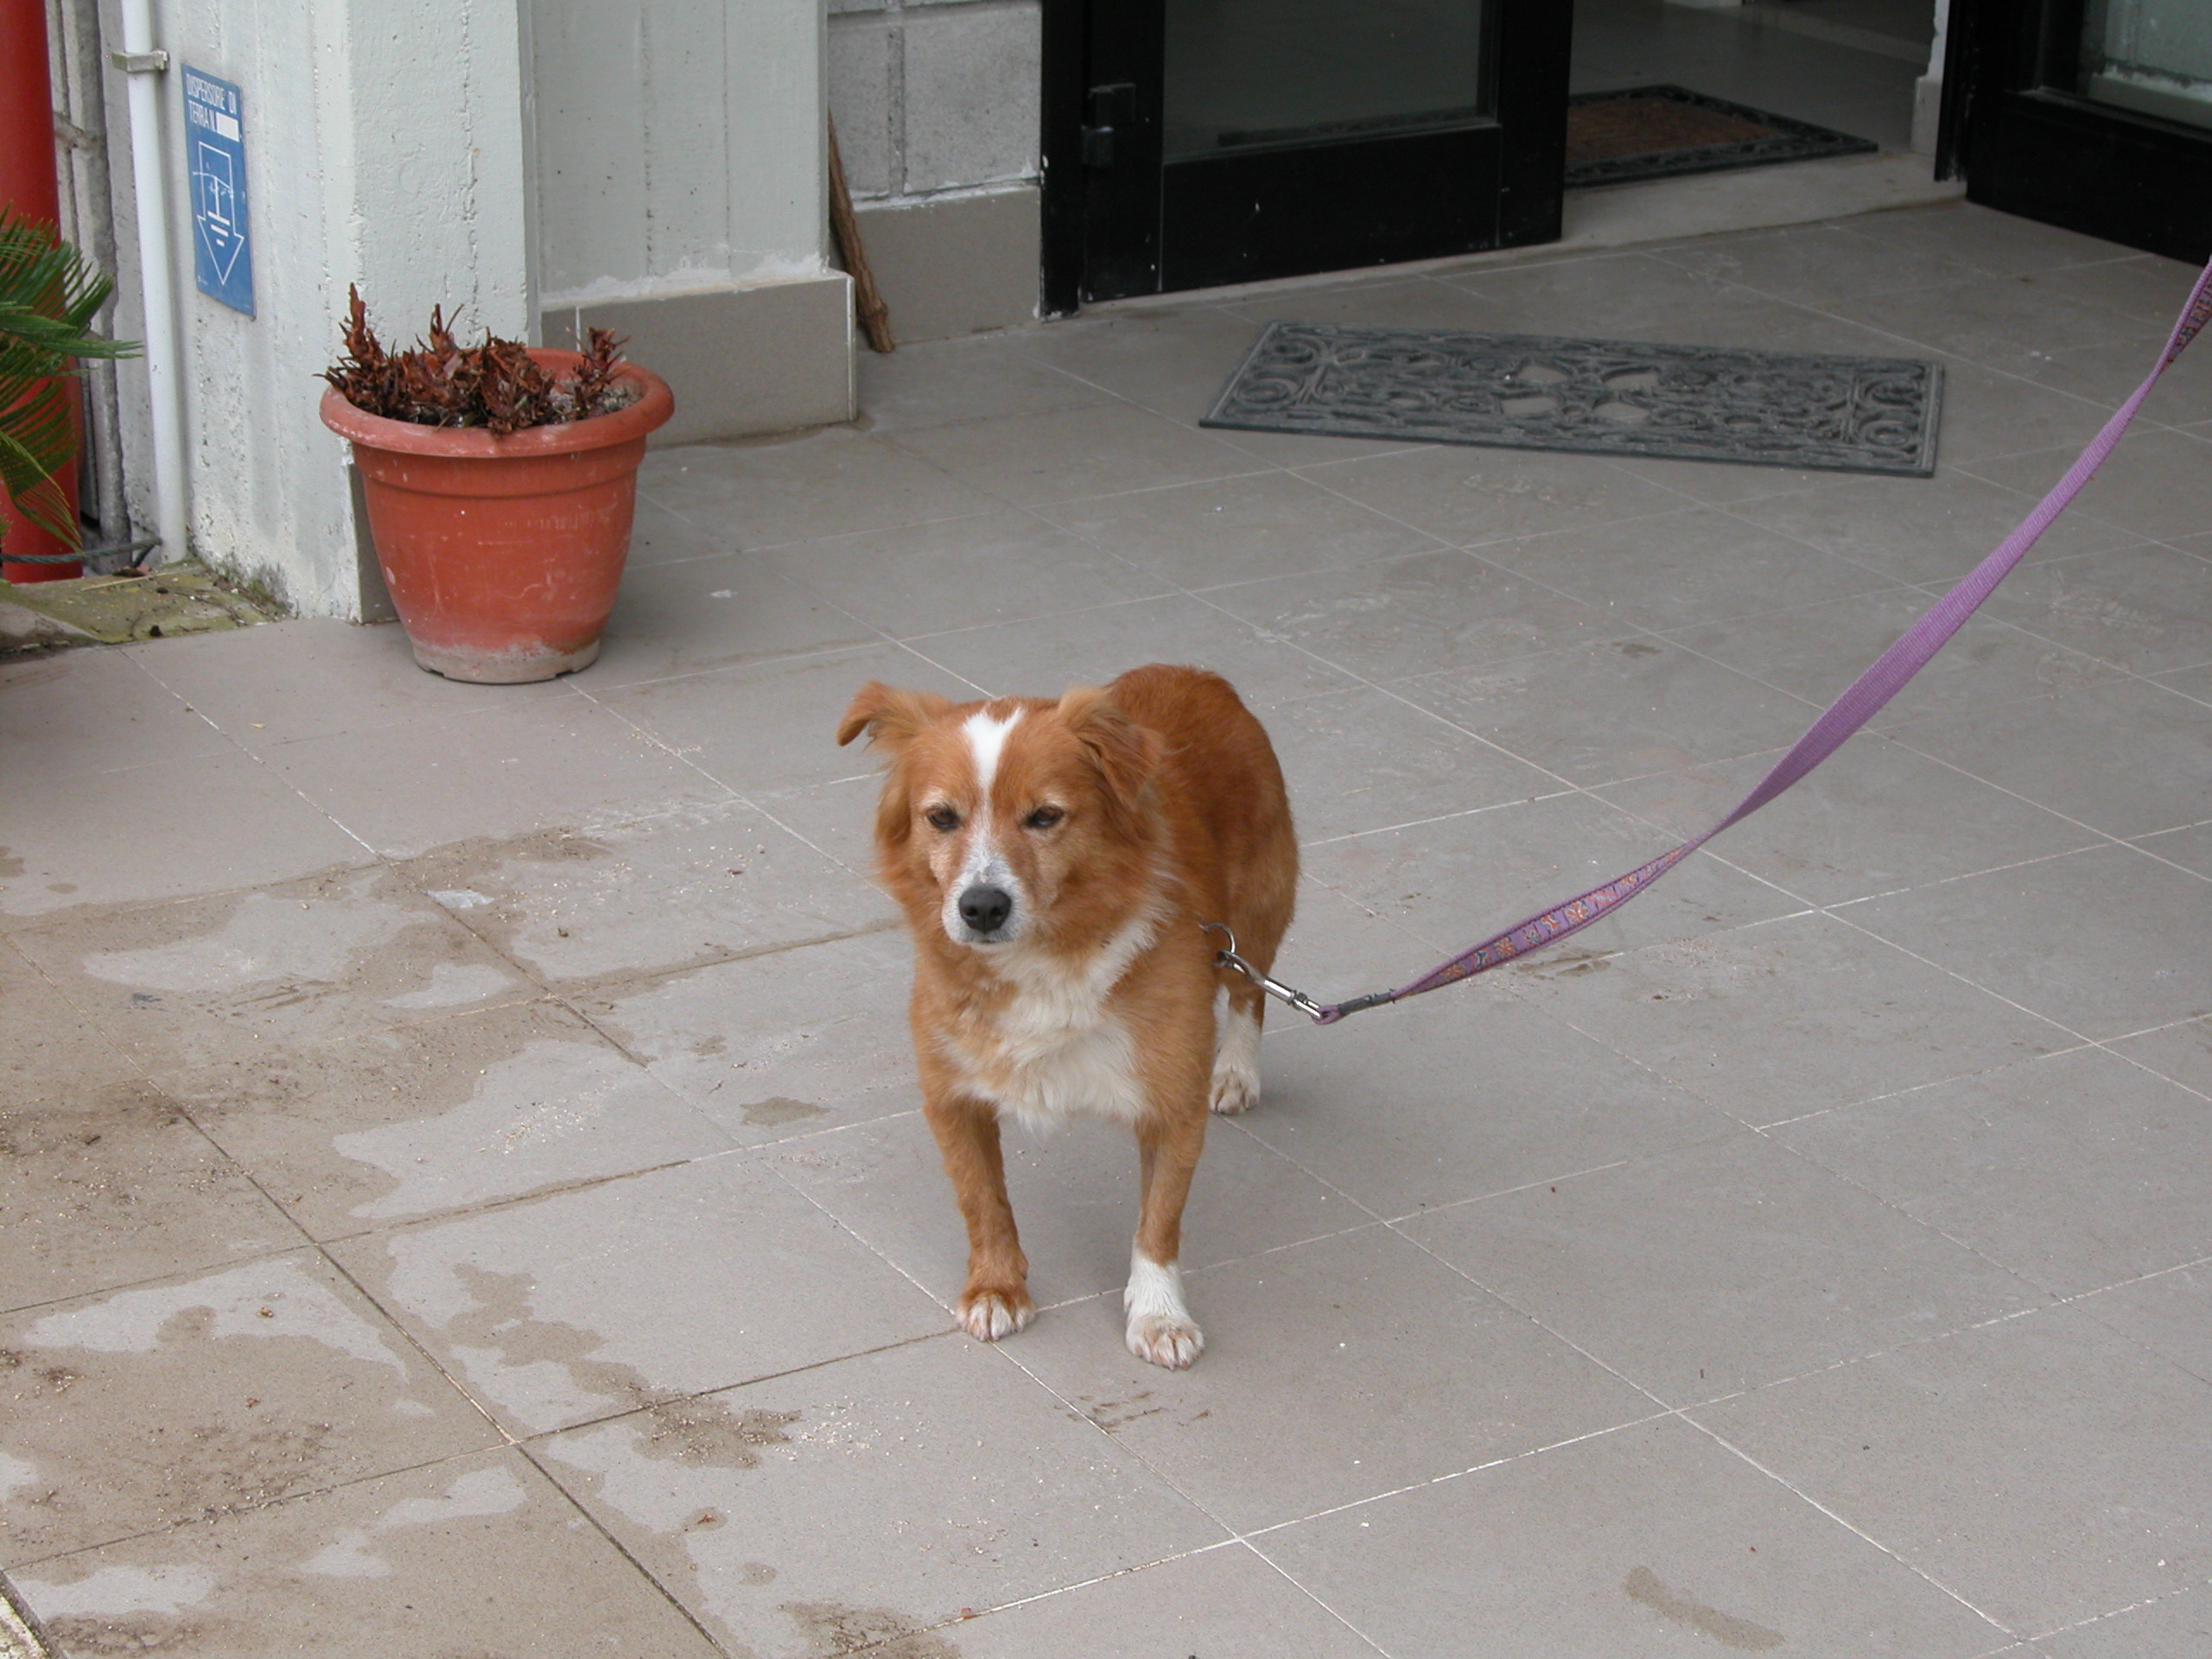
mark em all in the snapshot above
pixel 1125 753
pixel 889 715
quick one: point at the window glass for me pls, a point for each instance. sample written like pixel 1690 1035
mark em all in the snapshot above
pixel 1253 73
pixel 2153 56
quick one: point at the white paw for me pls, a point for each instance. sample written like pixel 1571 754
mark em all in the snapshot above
pixel 991 1315
pixel 1162 1340
pixel 1237 1065
pixel 1160 1329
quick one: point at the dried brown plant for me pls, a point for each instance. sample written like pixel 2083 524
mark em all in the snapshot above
pixel 496 385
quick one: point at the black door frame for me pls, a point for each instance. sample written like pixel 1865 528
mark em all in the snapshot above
pixel 1116 221
pixel 2030 144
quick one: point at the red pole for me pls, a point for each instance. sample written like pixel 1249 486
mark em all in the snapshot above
pixel 30 184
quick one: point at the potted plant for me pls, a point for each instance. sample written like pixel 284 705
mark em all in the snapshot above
pixel 500 483
pixel 49 298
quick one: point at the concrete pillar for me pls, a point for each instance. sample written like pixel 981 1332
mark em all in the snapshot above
pixel 1927 91
pixel 386 146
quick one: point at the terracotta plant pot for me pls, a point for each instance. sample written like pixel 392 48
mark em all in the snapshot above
pixel 503 554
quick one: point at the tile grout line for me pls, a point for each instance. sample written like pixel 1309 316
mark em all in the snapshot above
pixel 2052 1020
pixel 1310 1594
pixel 1234 1534
pixel 1108 1578
pixel 2198 1586
pixel 206 1518
pixel 2106 837
pixel 1536 1320
pixel 1451 1475
pixel 2141 1066
pixel 2120 670
pixel 1919 1223
pixel 320 1241
pixel 624 1553
pixel 393 866
pixel 1572 788
pixel 1984 283
pixel 1834 911
pixel 1894 1096
pixel 2140 1345
pixel 1441 817
pixel 1896 733
pixel 263 764
pixel 1856 1531
pixel 2081 1045
pixel 506 1439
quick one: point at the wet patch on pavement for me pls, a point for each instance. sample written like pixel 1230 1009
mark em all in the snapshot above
pixel 175 1400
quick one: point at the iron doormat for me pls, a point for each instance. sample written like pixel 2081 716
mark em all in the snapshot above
pixel 1660 132
pixel 1595 396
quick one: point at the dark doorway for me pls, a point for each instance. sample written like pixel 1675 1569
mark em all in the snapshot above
pixel 2095 115
pixel 1190 143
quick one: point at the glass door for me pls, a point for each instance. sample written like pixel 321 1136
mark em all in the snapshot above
pixel 1250 74
pixel 1195 142
pixel 2092 114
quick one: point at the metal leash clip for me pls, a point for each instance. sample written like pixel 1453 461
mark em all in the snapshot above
pixel 1275 988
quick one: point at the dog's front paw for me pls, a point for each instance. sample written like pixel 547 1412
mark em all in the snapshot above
pixel 1160 1329
pixel 990 1314
pixel 1166 1340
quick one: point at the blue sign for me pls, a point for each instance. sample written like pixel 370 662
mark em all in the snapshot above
pixel 222 256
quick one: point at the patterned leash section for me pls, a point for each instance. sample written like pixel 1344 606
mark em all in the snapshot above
pixel 1843 717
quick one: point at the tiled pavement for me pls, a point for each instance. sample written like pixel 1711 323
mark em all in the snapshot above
pixel 462 1190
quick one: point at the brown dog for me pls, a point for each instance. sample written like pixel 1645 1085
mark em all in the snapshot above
pixel 1058 863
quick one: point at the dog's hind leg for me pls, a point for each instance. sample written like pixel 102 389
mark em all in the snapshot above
pixel 1260 907
pixel 1236 1053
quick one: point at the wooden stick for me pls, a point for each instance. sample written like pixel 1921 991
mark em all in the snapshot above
pixel 874 316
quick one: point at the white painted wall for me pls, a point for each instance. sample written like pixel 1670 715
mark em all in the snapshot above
pixel 936 97
pixel 680 146
pixel 483 154
pixel 384 146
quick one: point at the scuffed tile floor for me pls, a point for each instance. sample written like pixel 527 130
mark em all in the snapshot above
pixel 462 1190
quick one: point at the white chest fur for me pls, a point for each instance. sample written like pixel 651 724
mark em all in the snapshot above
pixel 1055 1049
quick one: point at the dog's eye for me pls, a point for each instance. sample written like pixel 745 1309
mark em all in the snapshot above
pixel 1043 817
pixel 942 817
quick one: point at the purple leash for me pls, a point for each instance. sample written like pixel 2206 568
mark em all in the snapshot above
pixel 1843 717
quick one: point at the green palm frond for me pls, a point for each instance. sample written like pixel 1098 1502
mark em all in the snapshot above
pixel 48 297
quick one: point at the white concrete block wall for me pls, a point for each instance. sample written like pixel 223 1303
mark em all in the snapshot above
pixel 678 146
pixel 865 69
pixel 972 87
pixel 935 96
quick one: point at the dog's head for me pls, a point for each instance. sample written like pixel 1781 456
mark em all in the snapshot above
pixel 1014 819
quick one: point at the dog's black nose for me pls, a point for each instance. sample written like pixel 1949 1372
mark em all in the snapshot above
pixel 985 909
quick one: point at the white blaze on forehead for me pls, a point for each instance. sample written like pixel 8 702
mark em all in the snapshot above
pixel 982 865
pixel 986 738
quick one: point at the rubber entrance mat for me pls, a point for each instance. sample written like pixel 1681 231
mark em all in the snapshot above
pixel 1658 132
pixel 1599 396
